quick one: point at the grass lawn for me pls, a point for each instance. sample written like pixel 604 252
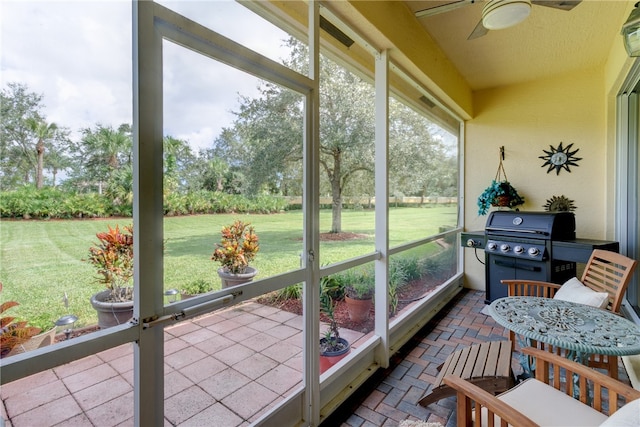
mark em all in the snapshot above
pixel 40 261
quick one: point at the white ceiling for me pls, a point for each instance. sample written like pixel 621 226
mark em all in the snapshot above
pixel 549 42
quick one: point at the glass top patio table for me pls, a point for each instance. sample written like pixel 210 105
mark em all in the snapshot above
pixel 576 327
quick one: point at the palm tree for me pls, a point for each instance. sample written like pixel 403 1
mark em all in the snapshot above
pixel 43 131
pixel 109 142
pixel 105 148
pixel 57 160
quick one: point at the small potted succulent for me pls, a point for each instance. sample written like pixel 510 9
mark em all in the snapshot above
pixel 237 248
pixel 499 193
pixel 333 347
pixel 113 259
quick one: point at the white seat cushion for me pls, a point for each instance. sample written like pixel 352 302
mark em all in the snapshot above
pixel 574 290
pixel 547 406
pixel 627 416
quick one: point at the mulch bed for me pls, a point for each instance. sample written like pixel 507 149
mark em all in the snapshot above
pixel 408 294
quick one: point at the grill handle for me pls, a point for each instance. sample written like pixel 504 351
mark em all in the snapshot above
pixel 517 266
pixel 511 230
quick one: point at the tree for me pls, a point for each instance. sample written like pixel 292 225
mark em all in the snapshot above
pixel 178 159
pixel 57 160
pixel 17 106
pixel 346 131
pixel 44 132
pixel 26 138
pixel 420 162
pixel 101 152
pixel 266 137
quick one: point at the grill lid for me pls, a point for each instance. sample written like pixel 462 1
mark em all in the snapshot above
pixel 538 225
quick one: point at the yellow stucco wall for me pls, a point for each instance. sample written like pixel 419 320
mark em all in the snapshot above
pixel 526 119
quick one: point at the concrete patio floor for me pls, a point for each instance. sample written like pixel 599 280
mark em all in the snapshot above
pixel 229 368
pixel 222 369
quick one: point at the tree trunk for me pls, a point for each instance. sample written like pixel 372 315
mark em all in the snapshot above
pixel 40 165
pixel 336 196
pixel 336 215
pixel 113 162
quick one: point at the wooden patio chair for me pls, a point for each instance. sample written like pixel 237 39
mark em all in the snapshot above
pixel 607 272
pixel 547 399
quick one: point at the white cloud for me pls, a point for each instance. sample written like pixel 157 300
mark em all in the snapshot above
pixel 77 54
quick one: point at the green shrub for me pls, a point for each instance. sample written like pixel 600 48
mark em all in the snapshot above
pixel 441 264
pixel 358 283
pixel 404 269
pixel 290 292
pixel 195 287
pixel 56 203
pixel 332 286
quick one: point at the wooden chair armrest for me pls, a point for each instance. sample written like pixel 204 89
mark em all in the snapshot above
pixel 531 288
pixel 468 394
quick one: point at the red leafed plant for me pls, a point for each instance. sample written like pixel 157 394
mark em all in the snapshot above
pixel 113 259
pixel 13 332
pixel 237 248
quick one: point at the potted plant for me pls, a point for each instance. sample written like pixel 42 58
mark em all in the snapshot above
pixel 499 193
pixel 359 287
pixel 195 287
pixel 13 333
pixel 113 259
pixel 333 347
pixel 237 248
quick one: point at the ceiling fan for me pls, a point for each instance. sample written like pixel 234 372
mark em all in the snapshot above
pixel 498 14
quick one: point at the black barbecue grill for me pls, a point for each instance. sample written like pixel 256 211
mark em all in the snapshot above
pixel 530 246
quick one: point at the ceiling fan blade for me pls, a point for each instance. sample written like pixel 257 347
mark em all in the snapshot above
pixel 559 4
pixel 478 31
pixel 443 8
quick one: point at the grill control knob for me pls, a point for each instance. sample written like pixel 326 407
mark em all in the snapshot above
pixel 534 251
pixel 518 249
pixel 505 248
pixel 492 246
pixel 472 243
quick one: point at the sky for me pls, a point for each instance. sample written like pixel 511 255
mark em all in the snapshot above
pixel 78 55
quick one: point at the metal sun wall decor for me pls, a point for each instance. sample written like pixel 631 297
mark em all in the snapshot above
pixel 560 158
pixel 559 204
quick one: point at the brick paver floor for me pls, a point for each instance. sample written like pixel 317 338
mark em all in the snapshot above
pixel 392 394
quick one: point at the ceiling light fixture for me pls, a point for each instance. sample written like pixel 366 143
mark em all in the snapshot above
pixel 499 14
pixel 631 32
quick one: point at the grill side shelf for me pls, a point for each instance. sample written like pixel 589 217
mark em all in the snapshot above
pixel 472 239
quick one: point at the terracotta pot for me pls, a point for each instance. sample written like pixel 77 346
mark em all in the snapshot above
pixel 330 358
pixel 358 308
pixel 230 279
pixel 502 201
pixel 111 313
